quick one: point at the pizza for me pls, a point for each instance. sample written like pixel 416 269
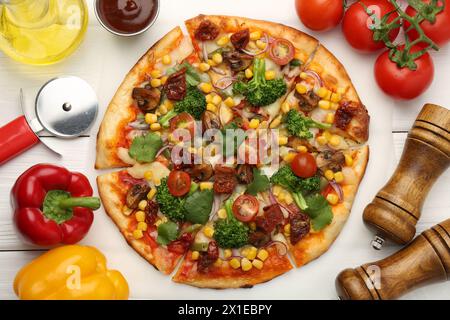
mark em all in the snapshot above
pixel 241 147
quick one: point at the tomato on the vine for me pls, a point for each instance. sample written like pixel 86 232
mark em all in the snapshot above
pixel 357 24
pixel 245 207
pixel 179 183
pixel 439 31
pixel 304 165
pixel 404 83
pixel 320 15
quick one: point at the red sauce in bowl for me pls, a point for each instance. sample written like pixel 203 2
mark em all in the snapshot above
pixel 127 16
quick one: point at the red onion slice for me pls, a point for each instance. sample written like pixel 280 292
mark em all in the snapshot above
pixel 169 146
pixel 251 53
pixel 218 71
pixel 281 247
pixel 139 125
pixel 338 190
pixel 224 82
pixel 318 83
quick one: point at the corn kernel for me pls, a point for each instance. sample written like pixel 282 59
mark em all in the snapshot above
pixel 251 253
pixel 151 193
pixel 252 226
pixel 204 67
pixel 341 91
pixel 348 160
pixel 167 59
pixel 223 41
pixel 206 186
pixel 206 87
pixel 140 216
pixel 303 75
pixel 126 211
pixel 155 73
pixel 335 97
pixel 164 80
pixel 288 199
pixel 138 234
pixel 261 44
pixel 329 118
pixel 335 140
pixel 324 104
pixel 142 226
pixel 158 222
pixel 248 73
pixel 162 109
pixel 255 35
pixel 276 190
pixel 339 177
pixel 235 263
pixel 332 198
pixel 157 181
pixel 142 205
pixel 217 100
pixel 252 44
pixel 316 68
pixel 211 63
pixel 281 196
pixel 208 231
pixel 334 106
pixel 209 98
pixel 246 264
pixel 168 104
pixel 192 150
pixel 275 122
pixel 227 253
pixel 211 107
pixel 155 83
pixel 270 75
pixel 282 140
pixel 155 126
pixel 289 157
pixel 218 262
pixel 254 123
pixel 302 149
pixel 258 264
pixel 327 134
pixel 322 92
pixel 287 228
pixel 329 174
pixel 217 58
pixel 150 118
pixel 195 255
pixel 262 254
pixel 229 102
pixel 322 140
pixel 285 107
pixel 301 88
pixel 263 125
pixel 328 96
pixel 222 213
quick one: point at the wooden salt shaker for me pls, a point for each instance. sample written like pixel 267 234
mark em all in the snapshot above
pixel 397 207
pixel 425 260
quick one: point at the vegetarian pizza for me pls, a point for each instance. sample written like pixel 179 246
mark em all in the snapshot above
pixel 241 147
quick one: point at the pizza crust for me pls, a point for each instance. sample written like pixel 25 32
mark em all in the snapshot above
pixel 121 109
pixel 112 197
pixel 317 243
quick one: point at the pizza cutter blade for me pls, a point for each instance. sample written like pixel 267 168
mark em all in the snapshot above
pixel 65 106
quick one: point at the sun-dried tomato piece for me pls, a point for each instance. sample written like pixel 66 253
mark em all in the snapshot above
pixel 240 39
pixel 176 85
pixel 206 31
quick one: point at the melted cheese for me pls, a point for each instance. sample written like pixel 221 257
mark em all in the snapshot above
pixel 123 155
pixel 158 170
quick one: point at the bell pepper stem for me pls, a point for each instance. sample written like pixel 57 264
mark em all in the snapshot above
pixel 85 202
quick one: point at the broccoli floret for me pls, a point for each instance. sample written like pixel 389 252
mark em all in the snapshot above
pixel 171 206
pixel 296 185
pixel 229 232
pixel 194 103
pixel 299 125
pixel 259 91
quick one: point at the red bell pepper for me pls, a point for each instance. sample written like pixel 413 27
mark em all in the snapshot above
pixel 53 205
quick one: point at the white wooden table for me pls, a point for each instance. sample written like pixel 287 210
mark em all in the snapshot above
pixel 104 59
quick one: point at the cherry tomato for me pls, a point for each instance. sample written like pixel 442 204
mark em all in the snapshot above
pixel 179 183
pixel 404 83
pixel 183 121
pixel 304 165
pixel 245 207
pixel 320 15
pixel 281 51
pixel 357 22
pixel 439 31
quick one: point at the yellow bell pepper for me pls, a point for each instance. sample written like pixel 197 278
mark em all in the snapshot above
pixel 70 273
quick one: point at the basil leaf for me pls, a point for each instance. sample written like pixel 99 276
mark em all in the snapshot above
pixel 260 183
pixel 319 211
pixel 144 148
pixel 198 206
pixel 167 232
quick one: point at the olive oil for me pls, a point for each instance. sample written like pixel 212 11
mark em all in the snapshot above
pixel 41 31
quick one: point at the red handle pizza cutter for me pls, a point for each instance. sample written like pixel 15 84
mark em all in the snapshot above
pixel 64 106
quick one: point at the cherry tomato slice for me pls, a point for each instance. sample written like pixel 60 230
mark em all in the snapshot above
pixel 327 190
pixel 281 51
pixel 179 183
pixel 245 207
pixel 183 121
pixel 304 165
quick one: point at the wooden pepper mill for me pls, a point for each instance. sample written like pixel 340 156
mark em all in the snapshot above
pixel 397 207
pixel 425 260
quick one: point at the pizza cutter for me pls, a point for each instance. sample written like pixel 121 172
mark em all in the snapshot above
pixel 64 106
